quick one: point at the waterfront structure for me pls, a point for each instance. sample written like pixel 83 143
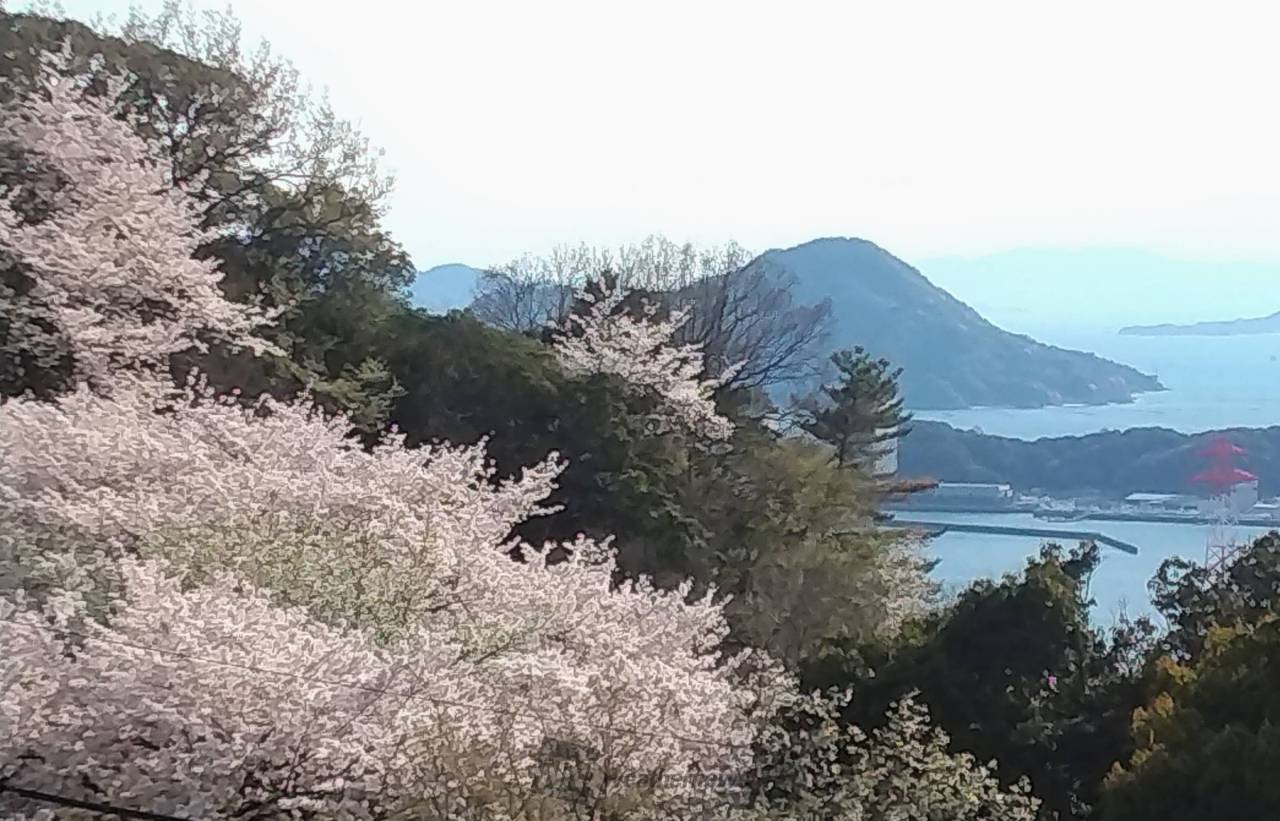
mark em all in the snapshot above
pixel 935 529
pixel 886 464
pixel 1164 502
pixel 967 496
pixel 1231 491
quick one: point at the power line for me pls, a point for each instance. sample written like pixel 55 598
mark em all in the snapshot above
pixel 94 806
pixel 376 690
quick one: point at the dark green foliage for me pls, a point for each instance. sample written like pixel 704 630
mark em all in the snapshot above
pixel 860 411
pixel 1113 463
pixel 339 278
pixel 1013 672
pixel 1193 599
pixel 1208 744
pixel 463 380
pixel 736 516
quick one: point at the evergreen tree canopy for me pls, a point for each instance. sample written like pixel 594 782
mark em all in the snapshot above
pixel 1013 671
pixel 1193 599
pixel 1207 741
pixel 860 412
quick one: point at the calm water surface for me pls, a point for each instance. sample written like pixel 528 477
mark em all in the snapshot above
pixel 1120 583
pixel 1214 382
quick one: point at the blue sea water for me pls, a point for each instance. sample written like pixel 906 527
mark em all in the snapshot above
pixel 1119 586
pixel 1213 382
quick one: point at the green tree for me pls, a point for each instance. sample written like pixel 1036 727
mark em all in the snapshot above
pixel 1204 740
pixel 293 192
pixel 1193 599
pixel 764 518
pixel 1013 671
pixel 1207 742
pixel 793 540
pixel 860 411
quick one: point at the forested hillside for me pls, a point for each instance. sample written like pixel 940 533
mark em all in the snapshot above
pixel 1114 463
pixel 858 296
pixel 275 544
pixel 950 355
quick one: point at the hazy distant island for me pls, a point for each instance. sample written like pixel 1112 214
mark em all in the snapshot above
pixel 951 356
pixel 1233 327
pixel 445 287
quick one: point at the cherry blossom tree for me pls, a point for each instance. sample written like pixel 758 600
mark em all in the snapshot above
pixel 216 702
pixel 387 562
pixel 740 308
pixel 210 609
pixel 150 525
pixel 903 770
pixel 411 546
pixel 607 338
pixel 103 276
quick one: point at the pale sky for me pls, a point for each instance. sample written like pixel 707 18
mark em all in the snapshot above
pixel 933 129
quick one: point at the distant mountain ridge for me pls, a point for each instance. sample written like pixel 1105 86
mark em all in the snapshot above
pixel 951 356
pixel 1232 327
pixel 445 287
pixel 1111 463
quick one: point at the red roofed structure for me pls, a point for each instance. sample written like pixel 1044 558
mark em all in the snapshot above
pixel 1222 473
pixel 1222 448
pixel 1222 479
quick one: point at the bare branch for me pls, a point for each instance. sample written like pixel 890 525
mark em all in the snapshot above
pixel 738 308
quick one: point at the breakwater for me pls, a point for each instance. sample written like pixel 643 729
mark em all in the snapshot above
pixel 1072 536
pixel 1170 518
pixel 1058 515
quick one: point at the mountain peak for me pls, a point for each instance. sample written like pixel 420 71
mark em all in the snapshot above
pixel 951 356
pixel 445 287
pixel 837 245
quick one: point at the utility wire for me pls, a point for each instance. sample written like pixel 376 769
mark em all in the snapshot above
pixel 93 806
pixel 375 690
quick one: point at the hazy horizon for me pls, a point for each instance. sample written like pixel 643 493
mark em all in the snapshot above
pixel 960 134
pixel 1095 289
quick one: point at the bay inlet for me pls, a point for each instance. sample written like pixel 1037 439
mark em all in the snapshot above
pixel 1119 586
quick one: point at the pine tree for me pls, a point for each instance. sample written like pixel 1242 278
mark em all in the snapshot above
pixel 860 412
